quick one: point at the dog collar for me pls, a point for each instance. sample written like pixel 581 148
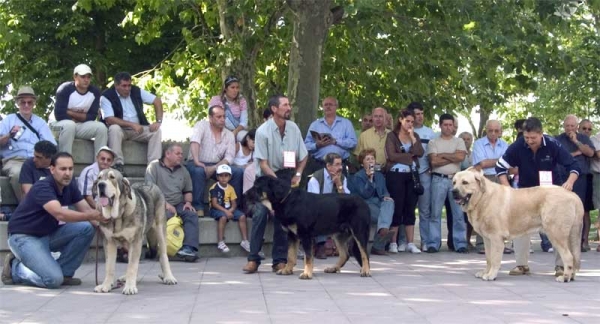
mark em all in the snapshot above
pixel 284 198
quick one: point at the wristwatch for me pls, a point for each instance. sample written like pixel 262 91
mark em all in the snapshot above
pixel 298 174
pixel 159 121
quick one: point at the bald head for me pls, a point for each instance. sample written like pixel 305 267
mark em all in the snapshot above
pixel 493 130
pixel 378 116
pixel 570 124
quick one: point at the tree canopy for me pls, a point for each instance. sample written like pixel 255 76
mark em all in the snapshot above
pixel 511 58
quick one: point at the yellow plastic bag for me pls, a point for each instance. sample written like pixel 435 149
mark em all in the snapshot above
pixel 174 235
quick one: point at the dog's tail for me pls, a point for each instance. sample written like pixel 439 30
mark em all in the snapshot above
pixel 575 244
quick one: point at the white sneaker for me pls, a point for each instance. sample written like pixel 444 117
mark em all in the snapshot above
pixel 393 248
pixel 223 247
pixel 402 247
pixel 550 250
pixel 412 248
pixel 245 245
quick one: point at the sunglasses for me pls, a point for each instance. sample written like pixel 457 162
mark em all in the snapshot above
pixel 27 103
pixel 586 129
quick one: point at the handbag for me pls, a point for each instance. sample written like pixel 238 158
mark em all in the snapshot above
pixel 414 171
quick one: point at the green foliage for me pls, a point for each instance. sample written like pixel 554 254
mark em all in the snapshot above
pixel 513 58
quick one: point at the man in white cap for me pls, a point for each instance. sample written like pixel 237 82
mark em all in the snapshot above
pixel 104 160
pixel 18 134
pixel 76 111
pixel 123 111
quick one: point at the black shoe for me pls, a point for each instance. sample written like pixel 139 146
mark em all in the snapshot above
pixel 121 168
pixel 122 256
pixel 462 250
pixel 431 250
pixel 375 251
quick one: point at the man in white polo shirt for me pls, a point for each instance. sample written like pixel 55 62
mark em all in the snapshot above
pixel 76 111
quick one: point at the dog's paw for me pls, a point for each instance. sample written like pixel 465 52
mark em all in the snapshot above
pixel 479 274
pixel 168 280
pixel 103 288
pixel 130 290
pixel 565 278
pixel 332 270
pixel 365 273
pixel 488 277
pixel 305 275
pixel 285 272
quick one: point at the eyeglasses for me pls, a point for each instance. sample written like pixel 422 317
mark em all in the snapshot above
pixel 27 103
pixel 586 129
pixel 493 131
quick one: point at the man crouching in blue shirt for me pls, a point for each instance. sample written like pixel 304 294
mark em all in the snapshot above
pixel 42 223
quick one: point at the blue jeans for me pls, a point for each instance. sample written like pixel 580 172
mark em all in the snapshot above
pixel 382 212
pixel 199 182
pixel 440 189
pixel 35 266
pixel 424 205
pixel 259 224
pixel 191 228
pixel 545 244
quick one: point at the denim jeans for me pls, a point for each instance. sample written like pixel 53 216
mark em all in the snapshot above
pixel 259 224
pixel 424 205
pixel 545 244
pixel 35 266
pixel 440 189
pixel 382 212
pixel 191 231
pixel 199 182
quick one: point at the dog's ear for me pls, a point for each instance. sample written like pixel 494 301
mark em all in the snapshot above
pixel 280 188
pixel 126 188
pixel 95 189
pixel 480 181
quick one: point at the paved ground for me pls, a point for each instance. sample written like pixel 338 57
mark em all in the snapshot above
pixel 404 288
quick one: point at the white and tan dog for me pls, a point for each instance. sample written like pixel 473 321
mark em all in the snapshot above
pixel 134 212
pixel 501 213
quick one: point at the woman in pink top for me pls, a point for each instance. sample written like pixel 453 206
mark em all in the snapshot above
pixel 235 105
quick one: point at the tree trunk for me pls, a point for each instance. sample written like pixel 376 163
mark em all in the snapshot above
pixel 312 19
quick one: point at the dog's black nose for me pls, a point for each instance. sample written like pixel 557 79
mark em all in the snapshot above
pixel 101 186
pixel 455 192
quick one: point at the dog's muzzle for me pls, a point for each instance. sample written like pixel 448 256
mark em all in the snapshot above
pixel 459 199
pixel 103 199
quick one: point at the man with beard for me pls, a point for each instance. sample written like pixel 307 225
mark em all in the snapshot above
pixel 279 152
pixel 43 223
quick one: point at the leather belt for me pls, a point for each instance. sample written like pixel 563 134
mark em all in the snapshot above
pixel 447 176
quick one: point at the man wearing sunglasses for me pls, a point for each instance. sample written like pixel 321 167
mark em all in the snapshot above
pixel 585 128
pixel 18 135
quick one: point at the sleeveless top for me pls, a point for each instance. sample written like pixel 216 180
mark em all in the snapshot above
pixel 241 159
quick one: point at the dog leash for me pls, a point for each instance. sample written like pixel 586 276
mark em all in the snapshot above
pixel 118 283
pixel 97 248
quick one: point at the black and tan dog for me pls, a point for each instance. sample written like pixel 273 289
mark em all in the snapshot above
pixel 305 215
pixel 134 212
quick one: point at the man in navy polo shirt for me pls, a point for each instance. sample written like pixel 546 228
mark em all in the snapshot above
pixel 37 167
pixel 42 223
pixel 535 154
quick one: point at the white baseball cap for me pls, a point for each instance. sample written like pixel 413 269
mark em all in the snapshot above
pixel 82 69
pixel 223 168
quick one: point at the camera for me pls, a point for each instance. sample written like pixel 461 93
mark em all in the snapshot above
pixel 18 134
